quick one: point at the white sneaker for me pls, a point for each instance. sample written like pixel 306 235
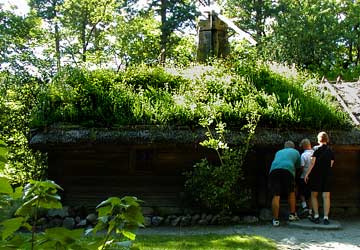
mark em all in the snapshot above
pixel 293 217
pixel 275 223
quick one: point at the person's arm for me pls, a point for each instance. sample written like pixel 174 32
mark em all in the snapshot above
pixel 312 164
pixel 331 163
pixel 302 163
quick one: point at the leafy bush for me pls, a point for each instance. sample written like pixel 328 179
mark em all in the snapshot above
pixel 17 98
pixel 351 73
pixel 116 215
pixel 120 217
pixel 221 186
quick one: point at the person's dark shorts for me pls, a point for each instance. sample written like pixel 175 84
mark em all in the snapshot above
pixel 281 182
pixel 319 182
pixel 304 189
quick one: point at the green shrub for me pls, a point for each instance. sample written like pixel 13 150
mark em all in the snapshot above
pixel 221 186
pixel 17 98
pixel 119 217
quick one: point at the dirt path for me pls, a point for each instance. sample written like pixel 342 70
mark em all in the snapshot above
pixel 347 238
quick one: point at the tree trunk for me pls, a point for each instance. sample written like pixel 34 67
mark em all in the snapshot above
pixel 164 32
pixel 357 61
pixel 57 37
pixel 350 52
pixel 258 4
pixel 83 39
pixel 57 46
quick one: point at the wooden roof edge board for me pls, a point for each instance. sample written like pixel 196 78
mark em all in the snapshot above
pixel 213 7
pixel 233 26
pixel 263 136
pixel 342 102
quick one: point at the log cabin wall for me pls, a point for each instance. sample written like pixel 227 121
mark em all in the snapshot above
pixel 91 167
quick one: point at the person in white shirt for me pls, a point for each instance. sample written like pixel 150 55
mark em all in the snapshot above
pixel 304 189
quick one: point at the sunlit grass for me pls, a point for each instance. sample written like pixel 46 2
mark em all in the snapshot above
pixel 175 242
pixel 203 242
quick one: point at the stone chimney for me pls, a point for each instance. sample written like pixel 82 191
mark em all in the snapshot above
pixel 212 38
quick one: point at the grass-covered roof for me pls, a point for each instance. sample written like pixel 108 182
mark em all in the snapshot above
pixel 145 95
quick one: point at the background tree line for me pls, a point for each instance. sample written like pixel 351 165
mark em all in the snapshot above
pixel 322 36
pixel 95 34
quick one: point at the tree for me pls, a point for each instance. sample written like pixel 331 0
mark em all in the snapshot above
pixel 251 16
pixel 17 36
pixel 350 28
pixel 175 15
pixel 86 23
pixel 136 39
pixel 305 33
pixel 18 95
pixel 48 10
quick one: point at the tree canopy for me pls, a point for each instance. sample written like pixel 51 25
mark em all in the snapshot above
pixel 322 36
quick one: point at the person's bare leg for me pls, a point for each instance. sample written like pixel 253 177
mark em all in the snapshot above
pixel 326 203
pixel 315 203
pixel 275 205
pixel 292 202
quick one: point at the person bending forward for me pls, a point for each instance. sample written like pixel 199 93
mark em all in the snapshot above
pixel 282 179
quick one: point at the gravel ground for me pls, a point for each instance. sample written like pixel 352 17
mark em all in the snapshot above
pixel 347 238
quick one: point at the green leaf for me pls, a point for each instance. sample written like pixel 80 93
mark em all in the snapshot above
pixel 3 154
pixel 88 231
pixel 51 184
pixel 29 191
pixel 63 235
pixel 112 225
pixel 5 187
pixel 49 203
pixel 133 214
pixel 128 234
pixel 16 242
pixel 18 193
pixel 107 243
pixel 131 200
pixel 10 226
pixel 103 211
pixel 110 201
pixel 26 208
pixel 124 244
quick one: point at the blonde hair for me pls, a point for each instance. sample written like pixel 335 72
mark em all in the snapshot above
pixel 323 137
pixel 289 144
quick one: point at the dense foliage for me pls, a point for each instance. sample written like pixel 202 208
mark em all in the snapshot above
pixel 17 98
pixel 221 185
pixel 118 218
pixel 322 36
pixel 158 96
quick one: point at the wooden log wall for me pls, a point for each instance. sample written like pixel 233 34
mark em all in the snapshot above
pixel 91 171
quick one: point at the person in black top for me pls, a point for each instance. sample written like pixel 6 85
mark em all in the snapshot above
pixel 319 176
